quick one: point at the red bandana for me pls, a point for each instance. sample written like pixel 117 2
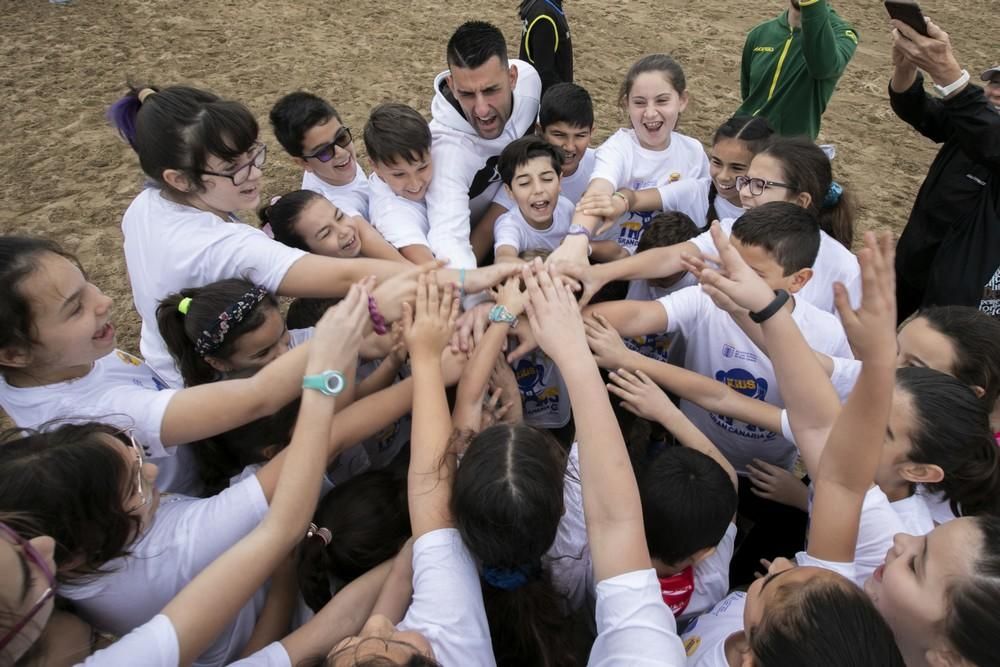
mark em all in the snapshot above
pixel 677 590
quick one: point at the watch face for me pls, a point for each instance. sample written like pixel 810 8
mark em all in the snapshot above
pixel 334 383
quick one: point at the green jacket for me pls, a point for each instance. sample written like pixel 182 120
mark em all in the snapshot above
pixel 789 75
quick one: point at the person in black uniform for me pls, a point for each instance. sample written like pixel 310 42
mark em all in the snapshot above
pixel 545 41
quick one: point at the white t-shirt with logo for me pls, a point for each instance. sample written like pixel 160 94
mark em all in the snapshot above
pixel 665 347
pixel 834 263
pixel 623 162
pixel 170 247
pixel 543 391
pixel 401 221
pixel 120 390
pixel 351 198
pixel 511 229
pixel 718 348
pixel 185 536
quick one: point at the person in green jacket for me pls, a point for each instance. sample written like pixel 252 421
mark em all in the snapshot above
pixel 791 65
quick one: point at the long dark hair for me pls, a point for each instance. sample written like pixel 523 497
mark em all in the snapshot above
pixel 971 624
pixel 283 216
pixel 753 132
pixel 507 502
pixel 975 336
pixel 71 481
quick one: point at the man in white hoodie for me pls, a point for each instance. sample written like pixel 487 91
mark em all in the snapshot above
pixel 481 104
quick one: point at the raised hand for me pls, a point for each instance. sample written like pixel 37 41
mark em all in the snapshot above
pixel 476 280
pixel 510 295
pixel 641 396
pixel 734 278
pixel 428 324
pixel 777 484
pixel 338 333
pixel 871 329
pixel 586 275
pixel 608 207
pixel 400 288
pixel 608 347
pixel 554 316
pixel 470 326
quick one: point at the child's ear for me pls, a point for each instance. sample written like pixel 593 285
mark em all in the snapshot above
pixel 538 129
pixel 799 279
pixel 218 364
pixel 271 451
pixel 978 391
pixel 803 199
pixel 15 357
pixel 510 193
pixel 177 180
pixel 684 101
pixel 921 473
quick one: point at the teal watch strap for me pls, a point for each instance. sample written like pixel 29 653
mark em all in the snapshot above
pixel 500 313
pixel 329 383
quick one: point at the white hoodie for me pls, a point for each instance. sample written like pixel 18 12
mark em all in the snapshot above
pixel 465 174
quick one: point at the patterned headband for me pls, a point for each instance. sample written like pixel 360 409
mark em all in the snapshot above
pixel 212 338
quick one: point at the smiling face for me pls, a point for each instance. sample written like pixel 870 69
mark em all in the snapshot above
pixel 408 180
pixel 71 322
pixel 485 94
pixel 255 349
pixel 767 168
pixel 220 195
pixel 535 188
pixel 327 230
pixel 342 168
pixel 653 107
pixel 573 141
pixel 911 588
pixel 727 159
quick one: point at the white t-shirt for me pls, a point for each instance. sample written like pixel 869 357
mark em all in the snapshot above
pixel 915 514
pixel 718 348
pixel 711 577
pixel 634 625
pixel 186 535
pixel 834 263
pixel 665 347
pixel 511 229
pixel 691 196
pixel 120 390
pixel 544 396
pixel 401 221
pixel 465 165
pixel 568 559
pixel 169 247
pixel 623 162
pixel 152 644
pixel 938 506
pixel 351 198
pixel 447 607
pixel 879 524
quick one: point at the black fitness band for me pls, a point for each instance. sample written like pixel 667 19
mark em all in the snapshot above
pixel 780 299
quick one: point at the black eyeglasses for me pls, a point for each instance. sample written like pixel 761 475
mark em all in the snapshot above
pixel 30 553
pixel 240 174
pixel 758 185
pixel 326 152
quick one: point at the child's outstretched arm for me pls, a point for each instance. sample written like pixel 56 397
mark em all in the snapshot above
pixel 427 327
pixel 206 605
pixel 475 378
pixel 631 318
pixel 641 396
pixel 610 494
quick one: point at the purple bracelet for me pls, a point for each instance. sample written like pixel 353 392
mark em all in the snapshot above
pixel 378 322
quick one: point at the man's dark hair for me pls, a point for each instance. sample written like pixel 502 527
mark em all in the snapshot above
pixel 787 232
pixel 567 103
pixel 474 43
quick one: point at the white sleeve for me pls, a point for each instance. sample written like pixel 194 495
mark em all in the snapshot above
pixel 153 644
pixel 399 224
pixel 503 199
pixel 272 655
pixel 879 524
pixel 786 428
pixel 613 160
pixel 688 196
pixel 846 570
pixel 139 408
pixel 684 308
pixel 711 575
pixel 634 625
pixel 447 607
pixel 704 240
pixel 844 375
pixel 252 253
pixel 507 231
pixel 448 207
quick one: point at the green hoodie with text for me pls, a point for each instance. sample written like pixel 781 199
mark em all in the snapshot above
pixel 788 75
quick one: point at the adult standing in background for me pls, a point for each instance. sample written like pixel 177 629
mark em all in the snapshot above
pixel 481 104
pixel 791 65
pixel 949 251
pixel 545 41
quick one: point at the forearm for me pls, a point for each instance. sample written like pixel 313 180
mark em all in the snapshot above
pixel 276 616
pixel 375 246
pixel 476 376
pixel 689 436
pixel 631 318
pixel 826 48
pixel 417 254
pixel 316 276
pixel 904 75
pixel 429 479
pixel 606 251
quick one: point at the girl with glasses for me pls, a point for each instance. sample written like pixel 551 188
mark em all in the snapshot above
pixel 190 569
pixel 203 158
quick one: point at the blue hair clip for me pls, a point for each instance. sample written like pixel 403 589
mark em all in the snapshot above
pixel 510 578
pixel 833 195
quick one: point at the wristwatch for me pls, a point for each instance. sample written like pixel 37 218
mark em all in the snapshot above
pixel 945 91
pixel 329 383
pixel 578 230
pixel 780 298
pixel 500 313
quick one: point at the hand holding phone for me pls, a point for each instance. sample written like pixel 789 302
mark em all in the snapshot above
pixel 908 12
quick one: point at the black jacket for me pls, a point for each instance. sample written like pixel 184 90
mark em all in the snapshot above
pixel 956 208
pixel 545 41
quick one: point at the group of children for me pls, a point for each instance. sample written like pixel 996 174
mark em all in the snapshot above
pixel 355 483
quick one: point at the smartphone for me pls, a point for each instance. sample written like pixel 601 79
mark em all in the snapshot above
pixel 909 13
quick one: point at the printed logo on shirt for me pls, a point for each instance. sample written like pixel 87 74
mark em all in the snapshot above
pixel 730 352
pixel 745 383
pixel 851 35
pixel 485 177
pixel 128 358
pixel 990 303
pixel 762 49
pixel 655 346
pixel 691 645
pixel 538 398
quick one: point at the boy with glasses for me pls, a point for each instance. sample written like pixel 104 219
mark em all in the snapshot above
pixel 313 134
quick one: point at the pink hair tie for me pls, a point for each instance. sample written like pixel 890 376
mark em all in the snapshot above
pixel 378 322
pixel 321 533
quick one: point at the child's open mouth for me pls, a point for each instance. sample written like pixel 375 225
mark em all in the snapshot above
pixel 105 333
pixel 349 244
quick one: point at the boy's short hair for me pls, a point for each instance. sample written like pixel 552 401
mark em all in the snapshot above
pixel 789 234
pixel 567 103
pixel 666 229
pixel 688 502
pixel 520 151
pixel 475 42
pixel 396 131
pixel 297 113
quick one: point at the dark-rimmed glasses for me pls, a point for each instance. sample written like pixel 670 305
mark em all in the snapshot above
pixel 758 185
pixel 241 174
pixel 31 554
pixel 145 498
pixel 326 152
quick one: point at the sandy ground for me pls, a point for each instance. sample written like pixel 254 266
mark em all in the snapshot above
pixel 64 173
